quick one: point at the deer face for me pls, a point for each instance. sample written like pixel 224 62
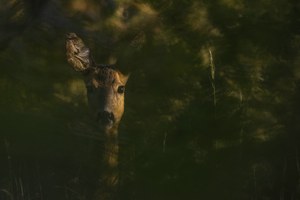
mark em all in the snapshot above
pixel 105 85
pixel 105 91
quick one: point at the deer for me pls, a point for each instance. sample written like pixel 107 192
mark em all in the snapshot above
pixel 105 86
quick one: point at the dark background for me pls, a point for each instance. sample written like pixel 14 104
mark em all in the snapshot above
pixel 212 104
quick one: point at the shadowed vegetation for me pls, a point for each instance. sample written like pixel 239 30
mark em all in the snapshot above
pixel 211 109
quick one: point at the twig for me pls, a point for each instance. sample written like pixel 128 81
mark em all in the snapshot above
pixel 255 183
pixel 297 162
pixel 7 193
pixel 164 142
pixel 21 188
pixel 212 75
pixel 39 180
pixel 241 97
pixel 9 162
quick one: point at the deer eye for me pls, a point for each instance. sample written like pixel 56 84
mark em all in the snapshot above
pixel 121 89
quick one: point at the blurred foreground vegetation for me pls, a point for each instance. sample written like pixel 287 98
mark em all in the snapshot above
pixel 212 104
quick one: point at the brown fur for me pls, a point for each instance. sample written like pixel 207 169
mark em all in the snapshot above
pixel 105 91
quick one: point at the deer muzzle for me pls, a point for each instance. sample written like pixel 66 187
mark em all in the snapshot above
pixel 106 119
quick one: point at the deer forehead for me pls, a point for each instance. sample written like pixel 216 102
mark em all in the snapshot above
pixel 107 77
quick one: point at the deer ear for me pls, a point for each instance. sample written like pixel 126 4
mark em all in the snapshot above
pixel 78 55
pixel 125 77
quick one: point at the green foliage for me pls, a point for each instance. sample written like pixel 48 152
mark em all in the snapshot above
pixel 176 143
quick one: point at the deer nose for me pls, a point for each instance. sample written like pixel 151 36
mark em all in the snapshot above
pixel 106 117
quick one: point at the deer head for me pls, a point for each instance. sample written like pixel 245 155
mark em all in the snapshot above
pixel 104 83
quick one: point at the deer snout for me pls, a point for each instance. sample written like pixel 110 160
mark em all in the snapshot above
pixel 106 117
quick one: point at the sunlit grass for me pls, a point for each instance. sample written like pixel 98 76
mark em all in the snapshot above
pixel 122 20
pixel 233 4
pixel 198 20
pixel 71 92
